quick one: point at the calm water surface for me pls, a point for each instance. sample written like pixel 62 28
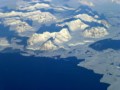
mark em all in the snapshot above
pixel 30 73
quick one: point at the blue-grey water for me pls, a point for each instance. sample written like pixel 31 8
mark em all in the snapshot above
pixel 106 44
pixel 36 73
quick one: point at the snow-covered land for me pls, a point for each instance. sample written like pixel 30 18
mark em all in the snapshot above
pixel 74 28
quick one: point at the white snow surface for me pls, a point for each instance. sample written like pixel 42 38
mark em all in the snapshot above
pixel 74 36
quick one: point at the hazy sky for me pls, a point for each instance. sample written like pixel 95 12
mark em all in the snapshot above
pixel 9 3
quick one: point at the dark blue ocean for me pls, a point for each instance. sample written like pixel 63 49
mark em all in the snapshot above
pixel 32 73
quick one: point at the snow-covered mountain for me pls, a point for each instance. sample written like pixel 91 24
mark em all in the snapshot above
pixel 83 25
pixel 82 22
pixel 65 28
